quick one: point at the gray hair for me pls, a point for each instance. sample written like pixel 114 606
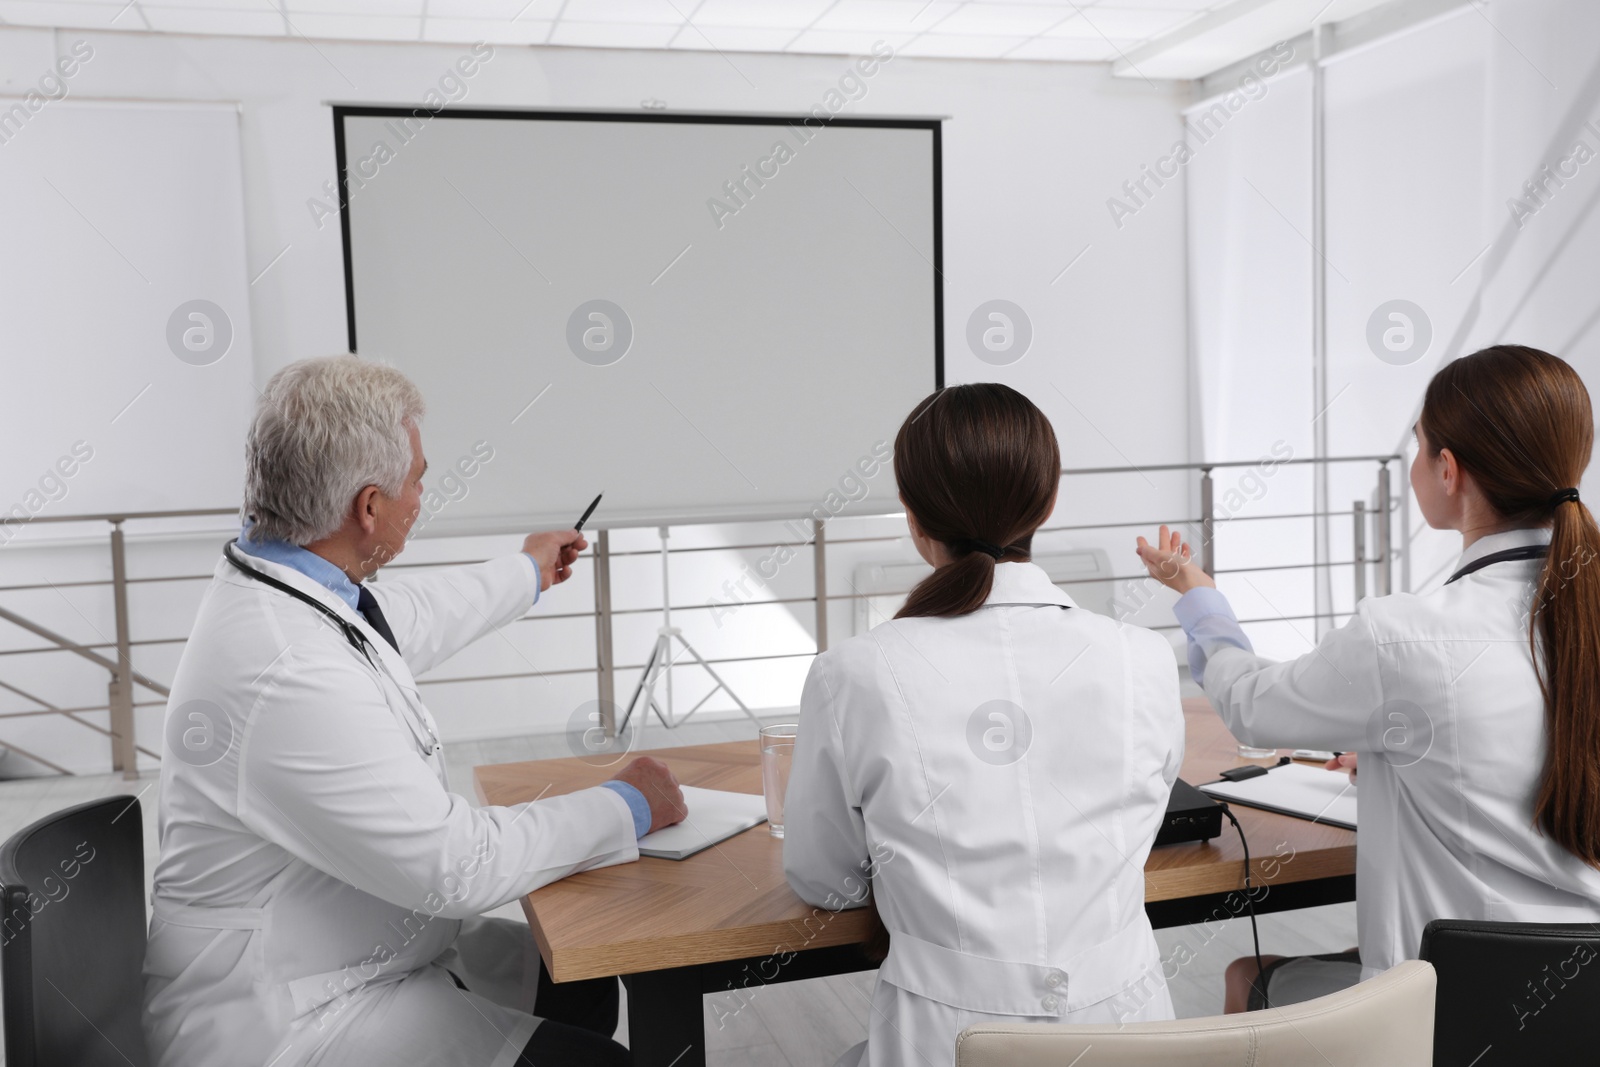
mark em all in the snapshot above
pixel 324 430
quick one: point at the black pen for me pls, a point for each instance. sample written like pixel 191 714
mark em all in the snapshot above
pixel 593 504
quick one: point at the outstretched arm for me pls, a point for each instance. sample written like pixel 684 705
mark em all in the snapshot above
pixel 1328 698
pixel 435 614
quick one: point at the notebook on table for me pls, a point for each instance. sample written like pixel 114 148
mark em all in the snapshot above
pixel 714 816
pixel 1295 789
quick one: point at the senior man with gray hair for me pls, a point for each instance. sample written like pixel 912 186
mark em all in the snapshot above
pixel 320 890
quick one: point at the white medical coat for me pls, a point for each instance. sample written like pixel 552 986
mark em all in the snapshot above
pixel 315 870
pixel 1002 775
pixel 1437 694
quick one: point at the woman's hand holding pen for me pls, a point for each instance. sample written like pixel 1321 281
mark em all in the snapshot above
pixel 1344 761
pixel 1169 562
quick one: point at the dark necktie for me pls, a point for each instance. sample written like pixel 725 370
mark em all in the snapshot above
pixel 367 604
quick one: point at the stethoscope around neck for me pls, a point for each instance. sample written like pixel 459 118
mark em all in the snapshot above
pixel 427 741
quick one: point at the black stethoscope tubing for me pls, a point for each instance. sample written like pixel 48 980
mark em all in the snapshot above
pixel 1503 556
pixel 352 633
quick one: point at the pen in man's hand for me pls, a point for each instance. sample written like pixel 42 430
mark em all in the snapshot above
pixel 592 505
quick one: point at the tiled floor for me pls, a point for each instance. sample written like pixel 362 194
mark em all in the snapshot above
pixel 796 1024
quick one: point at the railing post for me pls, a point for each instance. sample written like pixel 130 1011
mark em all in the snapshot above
pixel 605 676
pixel 1385 555
pixel 1359 543
pixel 819 579
pixel 124 755
pixel 666 620
pixel 1208 524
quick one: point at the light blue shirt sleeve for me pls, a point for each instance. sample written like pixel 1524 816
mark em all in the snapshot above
pixel 636 804
pixel 1209 623
pixel 538 578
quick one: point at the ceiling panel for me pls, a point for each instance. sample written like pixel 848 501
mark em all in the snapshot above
pixel 495 10
pixel 70 13
pixel 1023 20
pixel 1173 38
pixel 526 30
pixel 887 16
pixel 260 22
pixel 371 27
pixel 1191 6
pixel 1134 24
pixel 961 47
pixel 733 38
pixel 796 14
pixel 1098 50
pixel 389 8
pixel 638 12
pixel 259 7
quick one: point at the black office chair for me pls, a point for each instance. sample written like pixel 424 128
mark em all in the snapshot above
pixel 1513 993
pixel 72 937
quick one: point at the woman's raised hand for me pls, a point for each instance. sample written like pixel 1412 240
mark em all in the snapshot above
pixel 1169 563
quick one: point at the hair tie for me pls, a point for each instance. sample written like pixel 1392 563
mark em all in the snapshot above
pixel 1562 496
pixel 972 544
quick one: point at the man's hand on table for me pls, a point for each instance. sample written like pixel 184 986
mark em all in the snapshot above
pixel 660 788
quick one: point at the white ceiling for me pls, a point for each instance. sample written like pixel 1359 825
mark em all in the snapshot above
pixel 1183 37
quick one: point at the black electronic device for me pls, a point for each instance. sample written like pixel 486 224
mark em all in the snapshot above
pixel 1191 816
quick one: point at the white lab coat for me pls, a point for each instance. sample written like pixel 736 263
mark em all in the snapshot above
pixel 1437 694
pixel 1011 877
pixel 315 871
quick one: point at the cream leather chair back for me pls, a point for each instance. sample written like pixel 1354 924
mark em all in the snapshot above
pixel 1384 1022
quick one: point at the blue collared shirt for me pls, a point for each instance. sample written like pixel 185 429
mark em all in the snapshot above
pixel 308 563
pixel 336 581
pixel 1209 623
pixel 638 806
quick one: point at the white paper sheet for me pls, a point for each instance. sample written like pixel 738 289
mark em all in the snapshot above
pixel 1295 789
pixel 714 815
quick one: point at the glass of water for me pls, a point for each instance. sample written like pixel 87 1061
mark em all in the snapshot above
pixel 777 756
pixel 1252 752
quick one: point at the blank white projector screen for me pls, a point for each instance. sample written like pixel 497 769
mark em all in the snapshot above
pixel 710 318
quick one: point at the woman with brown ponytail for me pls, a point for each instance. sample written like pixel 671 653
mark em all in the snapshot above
pixel 993 763
pixel 1475 708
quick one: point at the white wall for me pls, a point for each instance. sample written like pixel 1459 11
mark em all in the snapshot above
pixel 103 270
pixel 1250 268
pixel 1429 133
pixel 1450 121
pixel 1538 281
pixel 1032 153
pixel 1408 215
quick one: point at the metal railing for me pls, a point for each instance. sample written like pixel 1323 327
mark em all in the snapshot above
pixel 124 678
pixel 1207 520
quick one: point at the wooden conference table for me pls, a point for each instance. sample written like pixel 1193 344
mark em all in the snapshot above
pixel 725 920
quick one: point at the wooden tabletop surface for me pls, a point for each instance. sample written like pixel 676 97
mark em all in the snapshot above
pixel 730 901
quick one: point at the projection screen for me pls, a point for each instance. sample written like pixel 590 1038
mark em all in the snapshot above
pixel 709 318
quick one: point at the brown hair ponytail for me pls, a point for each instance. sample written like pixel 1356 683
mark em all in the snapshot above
pixel 978 467
pixel 1518 420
